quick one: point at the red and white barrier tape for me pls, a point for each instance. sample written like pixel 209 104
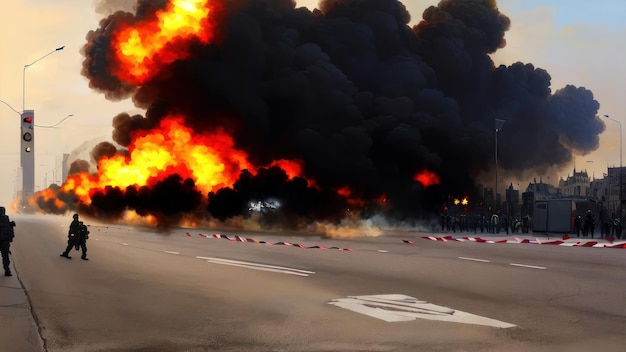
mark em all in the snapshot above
pixel 611 241
pixel 238 238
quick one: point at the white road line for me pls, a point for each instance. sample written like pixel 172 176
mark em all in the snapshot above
pixel 476 259
pixel 257 266
pixel 125 244
pixel 170 252
pixel 382 251
pixel 529 266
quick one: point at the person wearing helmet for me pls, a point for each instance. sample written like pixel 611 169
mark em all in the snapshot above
pixel 6 237
pixel 72 236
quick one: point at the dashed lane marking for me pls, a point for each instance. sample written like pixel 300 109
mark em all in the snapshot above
pixel 170 252
pixel 476 259
pixel 529 266
pixel 258 266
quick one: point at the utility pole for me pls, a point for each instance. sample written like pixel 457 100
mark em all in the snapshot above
pixel 621 166
pixel 498 124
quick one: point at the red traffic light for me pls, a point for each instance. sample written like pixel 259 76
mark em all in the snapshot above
pixel 28 119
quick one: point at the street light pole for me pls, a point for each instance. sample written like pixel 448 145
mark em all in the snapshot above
pixel 24 74
pixel 620 169
pixel 498 126
pixel 27 152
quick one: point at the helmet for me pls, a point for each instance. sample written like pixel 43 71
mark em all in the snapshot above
pixel 75 216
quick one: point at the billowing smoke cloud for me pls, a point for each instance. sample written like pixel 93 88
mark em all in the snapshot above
pixel 355 94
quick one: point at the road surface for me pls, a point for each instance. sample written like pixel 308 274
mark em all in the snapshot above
pixel 145 291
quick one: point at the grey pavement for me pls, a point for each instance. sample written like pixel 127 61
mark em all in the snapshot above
pixel 18 332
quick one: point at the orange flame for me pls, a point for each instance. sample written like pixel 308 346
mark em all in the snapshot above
pixel 291 168
pixel 142 49
pixel 427 178
pixel 212 161
pixel 352 200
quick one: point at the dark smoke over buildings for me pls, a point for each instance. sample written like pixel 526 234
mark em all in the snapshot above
pixel 361 98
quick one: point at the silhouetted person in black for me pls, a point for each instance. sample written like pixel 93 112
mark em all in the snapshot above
pixel 72 236
pixel 6 237
pixel 81 241
pixel 617 225
pixel 577 225
pixel 505 223
pixel 589 225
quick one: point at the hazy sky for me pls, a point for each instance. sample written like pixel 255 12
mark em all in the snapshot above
pixel 578 42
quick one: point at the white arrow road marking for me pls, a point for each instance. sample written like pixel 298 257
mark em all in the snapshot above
pixel 257 266
pixel 397 307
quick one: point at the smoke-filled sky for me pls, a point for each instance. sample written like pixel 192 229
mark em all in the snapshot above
pixel 564 43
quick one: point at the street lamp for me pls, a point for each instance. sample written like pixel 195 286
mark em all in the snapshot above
pixel 24 74
pixel 620 168
pixel 498 124
pixel 27 153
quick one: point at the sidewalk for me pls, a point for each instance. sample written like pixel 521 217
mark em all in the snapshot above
pixel 18 331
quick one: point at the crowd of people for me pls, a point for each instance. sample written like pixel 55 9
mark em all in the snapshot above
pixel 496 223
pixel 607 226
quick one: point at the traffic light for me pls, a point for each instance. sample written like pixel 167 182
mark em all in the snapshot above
pixel 27 131
pixel 27 153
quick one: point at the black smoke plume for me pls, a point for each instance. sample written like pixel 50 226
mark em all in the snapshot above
pixel 364 100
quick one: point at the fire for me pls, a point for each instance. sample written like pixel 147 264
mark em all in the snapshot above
pixel 211 160
pixel 141 49
pixel 356 201
pixel 427 178
pixel 345 192
pixel 291 167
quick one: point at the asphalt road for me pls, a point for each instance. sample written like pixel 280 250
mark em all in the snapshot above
pixel 144 291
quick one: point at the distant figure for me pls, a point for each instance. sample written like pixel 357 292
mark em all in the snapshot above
pixel 505 223
pixel 526 224
pixel 589 225
pixel 617 228
pixel 495 219
pixel 6 237
pixel 577 225
pixel 442 220
pixel 72 236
